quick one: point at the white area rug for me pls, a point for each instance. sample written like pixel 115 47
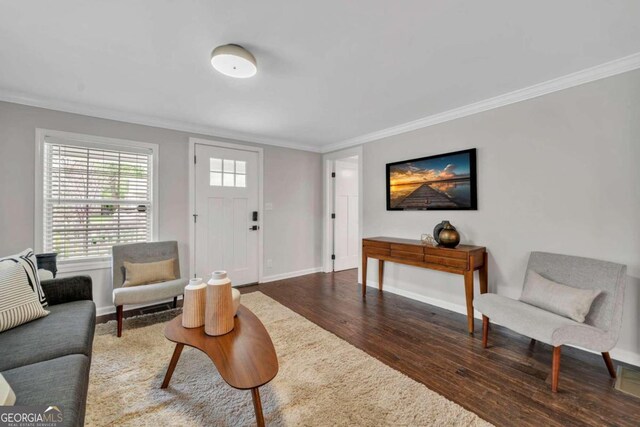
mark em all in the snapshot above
pixel 322 381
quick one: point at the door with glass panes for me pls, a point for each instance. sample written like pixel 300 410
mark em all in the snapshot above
pixel 226 213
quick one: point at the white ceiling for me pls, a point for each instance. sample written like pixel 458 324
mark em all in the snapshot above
pixel 328 71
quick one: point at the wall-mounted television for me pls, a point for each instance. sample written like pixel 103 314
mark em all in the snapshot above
pixel 441 182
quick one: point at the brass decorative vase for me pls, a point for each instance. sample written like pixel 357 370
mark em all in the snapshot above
pixel 449 236
pixel 438 228
pixel 218 318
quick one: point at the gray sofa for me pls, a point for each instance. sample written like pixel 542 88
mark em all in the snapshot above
pixel 46 361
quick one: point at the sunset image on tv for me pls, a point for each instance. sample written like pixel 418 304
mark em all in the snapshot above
pixel 439 182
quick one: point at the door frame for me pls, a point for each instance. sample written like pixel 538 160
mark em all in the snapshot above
pixel 328 162
pixel 192 198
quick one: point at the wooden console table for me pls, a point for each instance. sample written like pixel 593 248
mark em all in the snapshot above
pixel 464 260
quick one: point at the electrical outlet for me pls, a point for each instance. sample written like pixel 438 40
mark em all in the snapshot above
pixel 269 263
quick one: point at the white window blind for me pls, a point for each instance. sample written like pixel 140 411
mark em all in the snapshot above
pixel 95 197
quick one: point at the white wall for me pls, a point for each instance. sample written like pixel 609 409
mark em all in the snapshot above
pixel 292 183
pixel 558 173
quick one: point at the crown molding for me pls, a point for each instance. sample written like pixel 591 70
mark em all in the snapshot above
pixel 608 69
pixel 147 120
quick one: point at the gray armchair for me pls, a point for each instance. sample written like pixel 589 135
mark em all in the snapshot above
pixel 601 328
pixel 142 294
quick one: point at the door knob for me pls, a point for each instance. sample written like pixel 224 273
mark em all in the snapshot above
pixel 254 228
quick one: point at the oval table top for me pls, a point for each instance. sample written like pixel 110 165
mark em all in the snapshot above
pixel 245 357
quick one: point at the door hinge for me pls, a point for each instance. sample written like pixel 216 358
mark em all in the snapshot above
pixel 194 159
pixel 333 256
pixel 195 218
pixel 333 174
pixel 333 216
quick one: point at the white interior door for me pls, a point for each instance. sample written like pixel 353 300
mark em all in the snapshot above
pixel 226 197
pixel 345 237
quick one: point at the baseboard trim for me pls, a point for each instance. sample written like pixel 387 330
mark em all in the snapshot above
pixel 621 355
pixel 447 305
pixel 625 356
pixel 273 278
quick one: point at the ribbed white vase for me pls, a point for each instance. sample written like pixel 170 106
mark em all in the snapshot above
pixel 218 319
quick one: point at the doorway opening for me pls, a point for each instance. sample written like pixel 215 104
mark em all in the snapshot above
pixel 343 209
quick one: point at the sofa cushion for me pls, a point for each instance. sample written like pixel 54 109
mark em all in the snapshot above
pixel 557 298
pixel 68 329
pixel 148 293
pixel 59 382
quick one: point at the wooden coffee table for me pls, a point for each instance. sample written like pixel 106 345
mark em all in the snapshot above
pixel 245 357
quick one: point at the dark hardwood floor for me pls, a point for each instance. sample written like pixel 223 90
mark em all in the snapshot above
pixel 507 384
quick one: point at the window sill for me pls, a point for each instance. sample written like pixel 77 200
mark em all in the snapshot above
pixel 75 266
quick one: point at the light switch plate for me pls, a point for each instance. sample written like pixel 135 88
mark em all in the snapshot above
pixel 268 206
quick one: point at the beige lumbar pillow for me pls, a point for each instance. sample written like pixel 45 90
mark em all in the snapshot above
pixel 19 302
pixel 148 272
pixel 7 396
pixel 557 298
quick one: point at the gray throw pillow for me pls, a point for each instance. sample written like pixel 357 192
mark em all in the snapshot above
pixel 557 298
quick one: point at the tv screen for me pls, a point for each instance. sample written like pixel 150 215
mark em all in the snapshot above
pixel 442 182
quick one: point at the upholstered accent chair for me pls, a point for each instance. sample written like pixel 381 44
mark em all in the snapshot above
pixel 601 328
pixel 142 294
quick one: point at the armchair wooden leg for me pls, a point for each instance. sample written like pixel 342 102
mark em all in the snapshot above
pixel 609 363
pixel 555 369
pixel 175 302
pixel 485 331
pixel 119 312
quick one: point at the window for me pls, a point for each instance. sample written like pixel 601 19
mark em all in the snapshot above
pixel 227 173
pixel 95 193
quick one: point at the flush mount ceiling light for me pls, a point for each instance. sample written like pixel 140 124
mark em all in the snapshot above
pixel 234 61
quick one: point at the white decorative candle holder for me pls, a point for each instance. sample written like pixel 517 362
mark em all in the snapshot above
pixel 194 304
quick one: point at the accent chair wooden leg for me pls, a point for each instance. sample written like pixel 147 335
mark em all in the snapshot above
pixel 555 369
pixel 532 342
pixel 175 302
pixel 257 406
pixel 609 363
pixel 119 313
pixel 485 331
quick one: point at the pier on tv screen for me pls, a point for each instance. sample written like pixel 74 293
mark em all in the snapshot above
pixel 441 182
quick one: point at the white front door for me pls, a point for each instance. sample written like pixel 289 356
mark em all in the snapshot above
pixel 226 208
pixel 346 209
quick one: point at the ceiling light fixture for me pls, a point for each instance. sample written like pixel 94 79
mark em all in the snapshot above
pixel 234 61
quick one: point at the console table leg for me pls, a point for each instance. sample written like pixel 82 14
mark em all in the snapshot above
pixel 468 290
pixel 257 406
pixel 484 273
pixel 364 274
pixel 380 273
pixel 172 365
